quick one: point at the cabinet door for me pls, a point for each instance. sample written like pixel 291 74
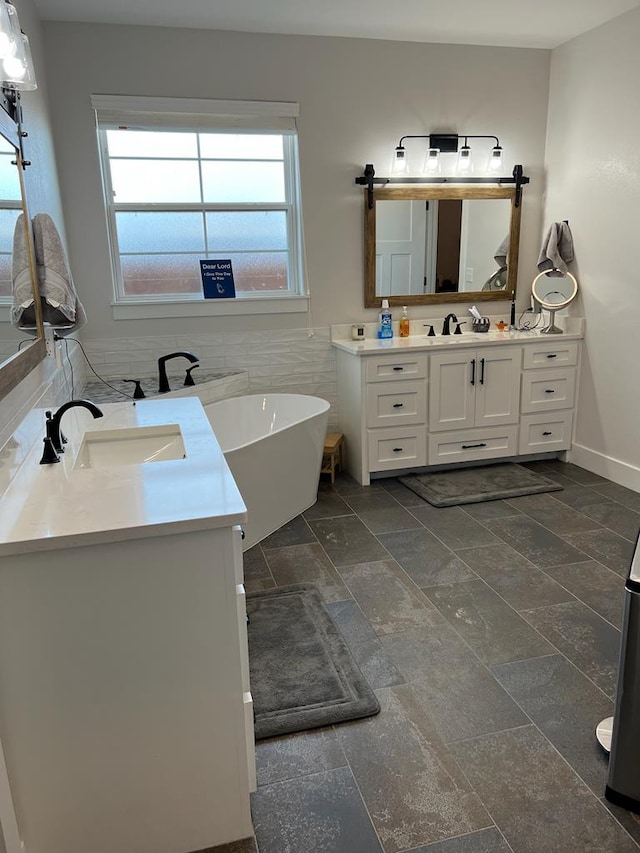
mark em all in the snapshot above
pixel 451 392
pixel 498 385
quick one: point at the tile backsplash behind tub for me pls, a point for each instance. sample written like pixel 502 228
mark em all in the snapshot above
pixel 296 361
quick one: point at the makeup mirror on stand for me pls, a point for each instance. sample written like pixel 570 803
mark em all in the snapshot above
pixel 554 290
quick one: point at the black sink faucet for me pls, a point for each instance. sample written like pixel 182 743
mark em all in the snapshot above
pixel 53 440
pixel 163 385
pixel 445 326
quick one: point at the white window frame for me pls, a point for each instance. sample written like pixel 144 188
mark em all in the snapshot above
pixel 171 114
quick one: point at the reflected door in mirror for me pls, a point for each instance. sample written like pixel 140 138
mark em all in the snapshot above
pixel 439 245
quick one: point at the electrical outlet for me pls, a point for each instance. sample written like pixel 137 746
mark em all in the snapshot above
pixel 49 342
pixel 535 305
pixel 58 352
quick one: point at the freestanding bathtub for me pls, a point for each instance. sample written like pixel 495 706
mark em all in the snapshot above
pixel 273 445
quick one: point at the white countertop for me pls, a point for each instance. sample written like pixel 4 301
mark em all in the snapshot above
pixel 45 507
pixel 416 343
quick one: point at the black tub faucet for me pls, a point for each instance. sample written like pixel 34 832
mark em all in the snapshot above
pixel 53 440
pixel 163 385
pixel 445 326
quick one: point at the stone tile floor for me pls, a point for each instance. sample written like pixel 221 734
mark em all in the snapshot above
pixel 490 633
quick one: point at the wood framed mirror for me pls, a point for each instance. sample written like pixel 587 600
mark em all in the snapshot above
pixel 435 244
pixel 17 359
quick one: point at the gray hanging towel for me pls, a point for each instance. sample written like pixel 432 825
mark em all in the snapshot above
pixel 23 315
pixel 498 281
pixel 60 304
pixel 556 251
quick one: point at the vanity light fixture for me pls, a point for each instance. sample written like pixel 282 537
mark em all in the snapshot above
pixel 447 143
pixel 16 64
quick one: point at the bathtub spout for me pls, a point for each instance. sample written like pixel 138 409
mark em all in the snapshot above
pixel 163 382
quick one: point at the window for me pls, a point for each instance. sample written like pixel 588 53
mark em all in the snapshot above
pixel 176 195
pixel 10 210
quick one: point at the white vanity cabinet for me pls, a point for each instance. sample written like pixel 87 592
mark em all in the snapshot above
pixel 126 715
pixel 404 406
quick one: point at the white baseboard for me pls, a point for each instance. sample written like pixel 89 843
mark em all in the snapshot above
pixel 606 466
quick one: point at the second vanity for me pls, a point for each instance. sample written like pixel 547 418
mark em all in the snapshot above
pixel 126 717
pixel 411 403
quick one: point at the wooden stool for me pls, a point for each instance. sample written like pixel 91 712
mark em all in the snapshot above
pixel 332 454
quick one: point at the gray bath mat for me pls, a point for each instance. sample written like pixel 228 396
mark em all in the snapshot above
pixel 474 485
pixel 302 673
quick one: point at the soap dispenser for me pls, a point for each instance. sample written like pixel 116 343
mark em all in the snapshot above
pixel 404 323
pixel 386 321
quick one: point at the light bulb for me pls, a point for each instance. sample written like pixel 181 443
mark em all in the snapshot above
pixel 400 163
pixel 15 68
pixel 464 160
pixel 432 161
pixel 495 160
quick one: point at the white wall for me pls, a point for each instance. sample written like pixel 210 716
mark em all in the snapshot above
pixel 357 98
pixel 593 180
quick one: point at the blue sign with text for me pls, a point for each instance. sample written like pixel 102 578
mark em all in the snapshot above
pixel 217 279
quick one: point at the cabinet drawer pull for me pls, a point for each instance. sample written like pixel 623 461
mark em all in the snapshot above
pixel 552 355
pixel 398 405
pixel 547 432
pixel 469 446
pixel 473 371
pixel 549 390
pixel 398 368
pixel 398 449
pixel 482 371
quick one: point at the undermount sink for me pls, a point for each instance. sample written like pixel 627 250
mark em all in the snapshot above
pixel 110 448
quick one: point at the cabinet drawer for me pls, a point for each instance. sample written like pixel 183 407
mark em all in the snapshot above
pixel 397 448
pixel 402 366
pixel 467 445
pixel 546 390
pixel 247 701
pixel 550 354
pixel 391 403
pixel 546 431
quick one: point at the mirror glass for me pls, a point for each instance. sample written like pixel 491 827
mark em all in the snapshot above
pixel 554 290
pixel 441 244
pixel 20 352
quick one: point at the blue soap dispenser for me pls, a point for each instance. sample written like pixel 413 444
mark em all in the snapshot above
pixel 386 321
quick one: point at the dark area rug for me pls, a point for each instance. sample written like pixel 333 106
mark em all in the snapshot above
pixel 302 673
pixel 474 485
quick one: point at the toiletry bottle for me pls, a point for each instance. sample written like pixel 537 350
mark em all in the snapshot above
pixel 386 320
pixel 404 323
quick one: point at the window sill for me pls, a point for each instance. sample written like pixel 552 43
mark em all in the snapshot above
pixel 208 308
